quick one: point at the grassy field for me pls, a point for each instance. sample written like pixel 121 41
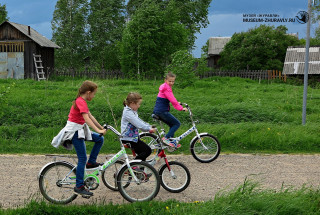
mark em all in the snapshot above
pixel 245 115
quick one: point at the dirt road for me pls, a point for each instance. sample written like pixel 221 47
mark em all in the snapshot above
pixel 19 176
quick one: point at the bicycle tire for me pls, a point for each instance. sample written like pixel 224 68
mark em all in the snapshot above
pixel 50 183
pixel 109 175
pixel 169 182
pixel 151 140
pixel 205 155
pixel 146 190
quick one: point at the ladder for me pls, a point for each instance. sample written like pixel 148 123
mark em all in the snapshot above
pixel 39 67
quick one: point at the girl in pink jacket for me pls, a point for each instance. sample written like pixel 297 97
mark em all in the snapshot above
pixel 162 108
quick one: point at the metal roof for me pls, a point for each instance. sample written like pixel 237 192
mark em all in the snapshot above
pixel 216 44
pixel 295 58
pixel 34 35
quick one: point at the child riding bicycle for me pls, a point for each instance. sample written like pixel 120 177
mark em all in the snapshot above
pixel 130 125
pixel 162 108
pixel 77 131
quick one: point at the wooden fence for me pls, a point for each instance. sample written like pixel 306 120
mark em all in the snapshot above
pixel 117 74
pixel 252 74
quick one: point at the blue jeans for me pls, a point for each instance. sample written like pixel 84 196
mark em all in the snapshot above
pixel 80 148
pixel 171 121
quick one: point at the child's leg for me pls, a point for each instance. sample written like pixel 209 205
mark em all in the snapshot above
pixel 98 142
pixel 141 149
pixel 80 148
pixel 170 120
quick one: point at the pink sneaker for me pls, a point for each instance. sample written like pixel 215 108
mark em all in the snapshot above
pixel 165 141
pixel 174 144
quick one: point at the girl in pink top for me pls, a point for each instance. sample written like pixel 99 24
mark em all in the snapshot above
pixel 162 108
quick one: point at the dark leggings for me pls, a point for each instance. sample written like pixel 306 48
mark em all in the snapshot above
pixel 140 148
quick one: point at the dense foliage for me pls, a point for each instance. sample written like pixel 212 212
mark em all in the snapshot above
pixel 136 36
pixel 106 23
pixel 69 25
pixel 3 13
pixel 260 48
pixel 153 34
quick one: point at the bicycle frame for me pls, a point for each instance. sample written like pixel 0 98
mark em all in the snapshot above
pixel 97 171
pixel 189 131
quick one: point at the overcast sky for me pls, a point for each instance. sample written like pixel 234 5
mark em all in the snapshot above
pixel 226 16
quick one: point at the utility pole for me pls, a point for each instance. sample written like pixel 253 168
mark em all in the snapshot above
pixel 306 67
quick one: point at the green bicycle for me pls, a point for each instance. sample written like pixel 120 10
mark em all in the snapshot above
pixel 58 178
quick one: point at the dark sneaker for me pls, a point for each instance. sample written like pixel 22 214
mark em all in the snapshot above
pixel 90 165
pixel 82 191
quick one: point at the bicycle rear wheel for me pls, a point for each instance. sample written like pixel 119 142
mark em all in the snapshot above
pixel 56 182
pixel 206 149
pixel 176 180
pixel 152 141
pixel 109 175
pixel 147 186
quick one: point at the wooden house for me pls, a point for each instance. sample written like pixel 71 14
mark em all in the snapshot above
pixel 216 45
pixel 295 58
pixel 18 44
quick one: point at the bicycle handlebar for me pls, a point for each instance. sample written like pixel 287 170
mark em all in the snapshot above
pixel 184 104
pixel 105 126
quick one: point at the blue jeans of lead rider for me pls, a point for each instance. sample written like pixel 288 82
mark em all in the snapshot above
pixel 170 120
pixel 80 148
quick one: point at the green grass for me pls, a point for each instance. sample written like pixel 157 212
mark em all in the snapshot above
pixel 246 199
pixel 245 115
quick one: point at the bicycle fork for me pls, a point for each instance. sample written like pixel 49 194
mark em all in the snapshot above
pixel 199 138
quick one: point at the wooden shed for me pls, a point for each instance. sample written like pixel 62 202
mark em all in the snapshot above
pixel 18 44
pixel 216 45
pixel 295 58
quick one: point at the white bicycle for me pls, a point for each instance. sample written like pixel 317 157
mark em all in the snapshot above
pixel 204 147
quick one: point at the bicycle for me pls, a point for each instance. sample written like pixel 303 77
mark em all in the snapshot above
pixel 174 176
pixel 58 178
pixel 204 147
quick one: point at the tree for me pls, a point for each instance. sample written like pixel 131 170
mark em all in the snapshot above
pixel 106 21
pixel 69 25
pixel 151 36
pixel 204 49
pixel 183 66
pixel 262 47
pixel 193 14
pixel 3 13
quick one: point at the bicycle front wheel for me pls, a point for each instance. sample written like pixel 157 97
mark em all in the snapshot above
pixel 206 149
pixel 109 175
pixel 147 186
pixel 177 179
pixel 152 141
pixel 56 182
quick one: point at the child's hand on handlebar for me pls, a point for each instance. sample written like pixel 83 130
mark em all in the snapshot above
pixel 152 130
pixel 185 109
pixel 102 132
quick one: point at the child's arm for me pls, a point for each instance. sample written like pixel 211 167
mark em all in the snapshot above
pixel 89 122
pixel 95 121
pixel 169 95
